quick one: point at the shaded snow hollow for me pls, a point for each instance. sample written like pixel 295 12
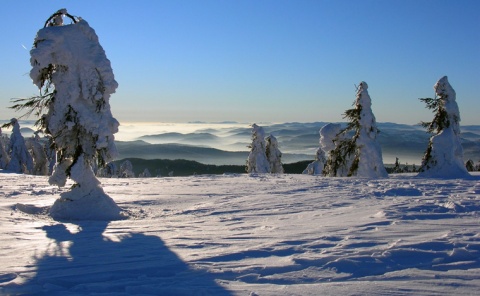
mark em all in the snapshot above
pixel 247 235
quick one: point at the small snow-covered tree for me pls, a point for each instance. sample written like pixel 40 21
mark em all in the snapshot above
pixel 40 159
pixel 444 155
pixel 257 159
pixel 20 159
pixel 51 153
pixel 327 134
pixel 4 158
pixel 108 171
pixel 75 79
pixel 126 170
pixel 145 174
pixel 397 169
pixel 316 167
pixel 274 155
pixel 470 165
pixel 361 154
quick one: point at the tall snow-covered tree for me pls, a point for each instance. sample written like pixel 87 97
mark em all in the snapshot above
pixel 20 159
pixel 257 159
pixel 359 155
pixel 444 155
pixel 274 156
pixel 75 79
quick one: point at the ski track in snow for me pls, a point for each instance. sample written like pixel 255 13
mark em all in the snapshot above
pixel 247 235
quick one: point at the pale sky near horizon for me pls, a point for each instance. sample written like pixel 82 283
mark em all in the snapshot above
pixel 264 61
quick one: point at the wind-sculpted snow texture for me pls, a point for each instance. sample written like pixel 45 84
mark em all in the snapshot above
pixel 247 235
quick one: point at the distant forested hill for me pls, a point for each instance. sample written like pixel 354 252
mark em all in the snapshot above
pixel 182 167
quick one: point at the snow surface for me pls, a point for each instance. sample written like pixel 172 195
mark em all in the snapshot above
pixel 247 235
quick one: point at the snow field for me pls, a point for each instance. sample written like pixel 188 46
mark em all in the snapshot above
pixel 247 235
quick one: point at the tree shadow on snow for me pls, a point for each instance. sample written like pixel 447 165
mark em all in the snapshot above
pixel 87 262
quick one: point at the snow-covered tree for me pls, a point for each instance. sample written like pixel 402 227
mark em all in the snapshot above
pixel 4 158
pixel 444 155
pixel 20 159
pixel 397 169
pixel 470 165
pixel 274 156
pixel 361 154
pixel 145 174
pixel 126 170
pixel 327 134
pixel 108 171
pixel 51 153
pixel 330 137
pixel 257 159
pixel 316 167
pixel 75 79
pixel 40 159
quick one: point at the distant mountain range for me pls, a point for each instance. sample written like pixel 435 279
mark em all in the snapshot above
pixel 298 142
pixel 226 143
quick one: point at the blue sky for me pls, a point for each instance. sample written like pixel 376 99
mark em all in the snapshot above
pixel 264 61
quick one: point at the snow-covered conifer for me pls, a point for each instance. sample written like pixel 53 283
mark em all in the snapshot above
pixel 257 159
pixel 108 171
pixel 20 159
pixel 4 158
pixel 51 153
pixel 327 134
pixel 145 174
pixel 361 154
pixel 274 155
pixel 40 159
pixel 126 170
pixel 470 165
pixel 397 169
pixel 444 155
pixel 75 79
pixel 316 167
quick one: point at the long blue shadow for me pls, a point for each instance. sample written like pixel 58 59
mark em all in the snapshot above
pixel 87 262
